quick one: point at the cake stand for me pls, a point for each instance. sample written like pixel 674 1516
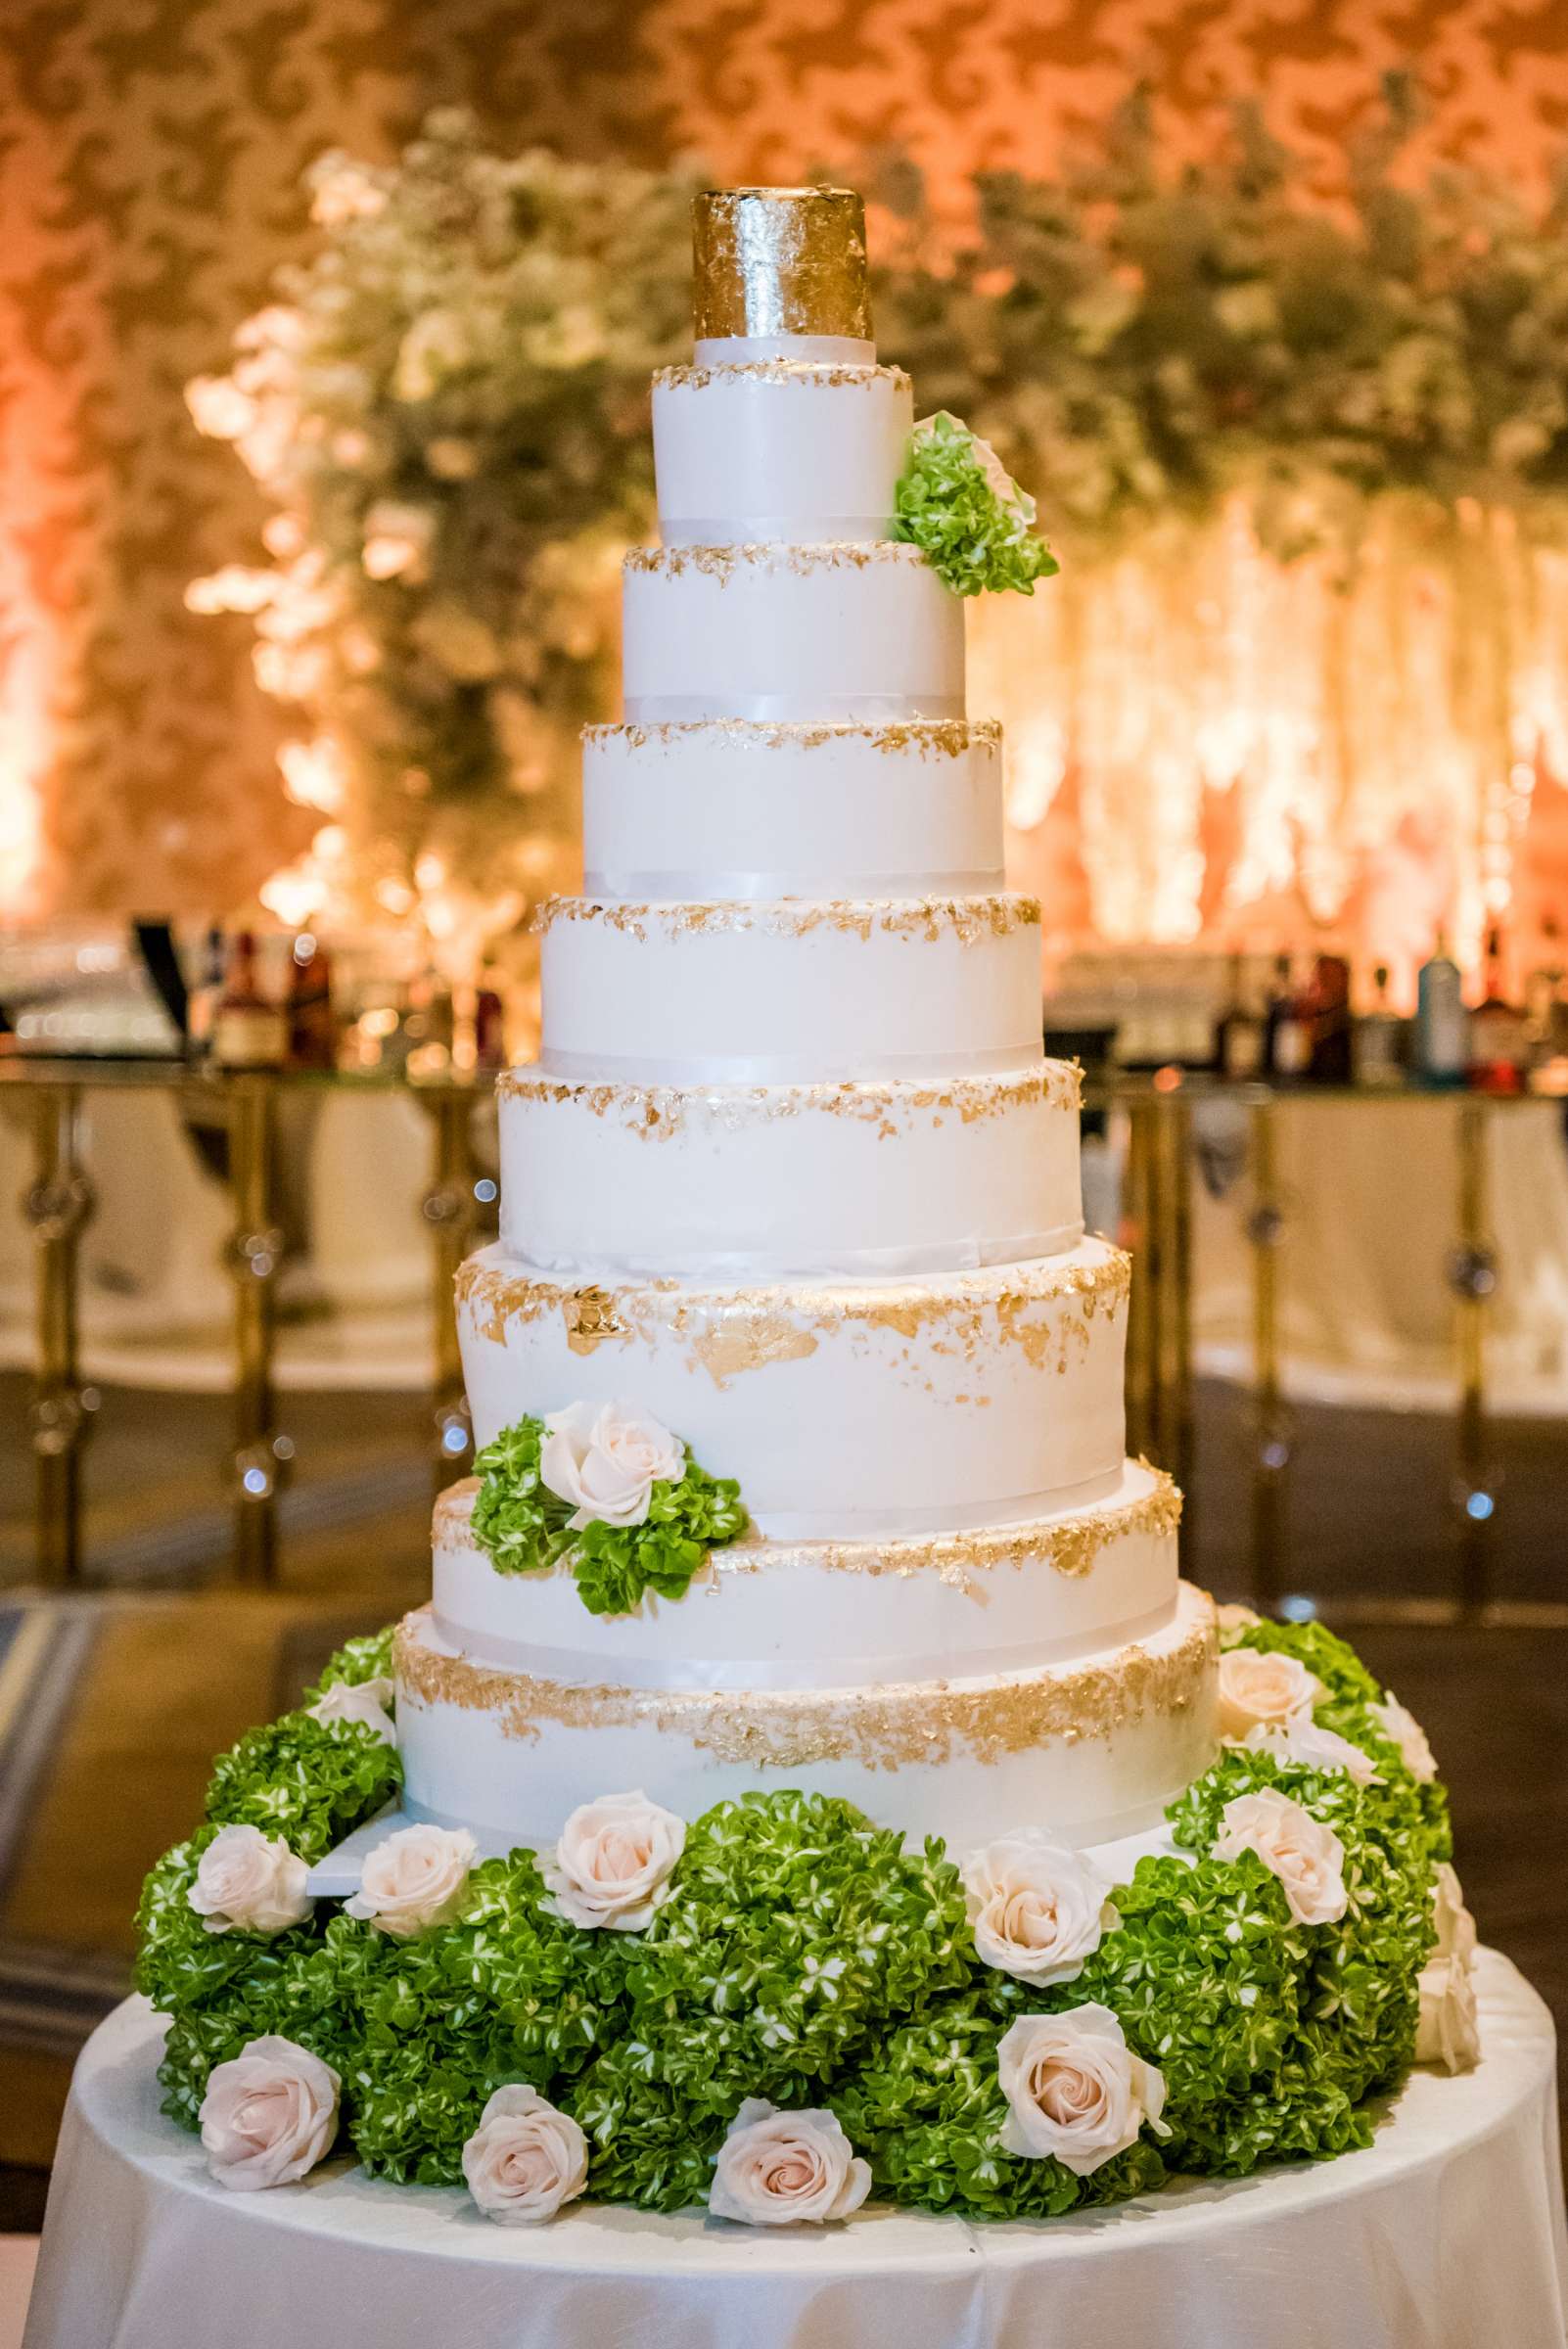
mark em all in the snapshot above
pixel 1447 2234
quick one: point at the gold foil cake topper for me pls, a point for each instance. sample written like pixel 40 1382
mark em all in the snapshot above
pixel 780 261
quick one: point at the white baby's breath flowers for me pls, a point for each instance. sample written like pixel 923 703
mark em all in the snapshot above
pixel 1038 1907
pixel 1306 1856
pixel 414 1880
pixel 248 1883
pixel 525 2159
pixel 1402 1728
pixel 1076 2092
pixel 786 2169
pixel 612 1864
pixel 606 1458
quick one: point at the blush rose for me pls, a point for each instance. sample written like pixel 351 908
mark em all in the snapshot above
pixel 607 1460
pixel 1262 1686
pixel 782 2169
pixel 1076 2092
pixel 248 1883
pixel 1038 1907
pixel 1306 1857
pixel 525 2159
pixel 415 1879
pixel 269 2115
pixel 614 1861
pixel 365 1701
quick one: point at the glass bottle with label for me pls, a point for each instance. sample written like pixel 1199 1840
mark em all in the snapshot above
pixel 249 1030
pixel 1377 1036
pixel 1499 1039
pixel 1289 1028
pixel 1442 1028
pixel 1238 1039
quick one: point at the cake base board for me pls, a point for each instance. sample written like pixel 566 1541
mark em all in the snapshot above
pixel 1446 2232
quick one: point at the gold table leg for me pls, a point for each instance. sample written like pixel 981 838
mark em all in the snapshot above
pixel 56 1205
pixel 1473 1278
pixel 1266 1229
pixel 447 1209
pixel 260 1454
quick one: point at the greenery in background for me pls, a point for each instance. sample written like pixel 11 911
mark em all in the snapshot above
pixel 806 1957
pixel 521 1526
pixel 974 524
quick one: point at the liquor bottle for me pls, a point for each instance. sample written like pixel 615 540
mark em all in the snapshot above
pixel 1238 1036
pixel 1441 1039
pixel 1545 1007
pixel 312 1034
pixel 1288 1028
pixel 1499 1045
pixel 204 995
pixel 1330 1062
pixel 1376 1038
pixel 249 1030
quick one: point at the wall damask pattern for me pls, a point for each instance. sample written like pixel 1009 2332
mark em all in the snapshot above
pixel 149 157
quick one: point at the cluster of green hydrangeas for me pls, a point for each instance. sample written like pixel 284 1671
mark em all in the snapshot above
pixel 521 1526
pixel 804 1956
pixel 974 526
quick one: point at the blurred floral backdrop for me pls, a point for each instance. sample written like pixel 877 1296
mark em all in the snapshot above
pixel 149 167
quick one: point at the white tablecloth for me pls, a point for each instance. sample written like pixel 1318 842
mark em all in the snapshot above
pixel 1448 2234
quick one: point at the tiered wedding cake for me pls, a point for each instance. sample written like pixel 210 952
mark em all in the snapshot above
pixel 792 1178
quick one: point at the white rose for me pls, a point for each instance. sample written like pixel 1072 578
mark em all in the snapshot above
pixel 269 2115
pixel 361 1700
pixel 1455 1927
pixel 1233 1619
pixel 248 1883
pixel 779 2169
pixel 525 2159
pixel 1257 1685
pixel 1075 2090
pixel 1306 1857
pixel 1449 2031
pixel 1038 1907
pixel 1403 1729
pixel 606 1462
pixel 1300 1739
pixel 614 1861
pixel 414 1880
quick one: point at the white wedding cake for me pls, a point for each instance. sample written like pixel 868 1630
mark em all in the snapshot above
pixel 792 1179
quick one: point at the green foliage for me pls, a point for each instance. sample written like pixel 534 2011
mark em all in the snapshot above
pixel 804 1956
pixel 521 1526
pixel 356 1661
pixel 971 523
pixel 310 1782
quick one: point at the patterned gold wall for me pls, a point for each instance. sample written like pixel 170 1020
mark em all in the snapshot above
pixel 150 155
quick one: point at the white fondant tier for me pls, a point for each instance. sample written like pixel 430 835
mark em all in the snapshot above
pixel 826 631
pixel 822 1615
pixel 779 451
pixel 784 990
pixel 1094 1748
pixel 878 1408
pixel 730 807
pixel 737 1182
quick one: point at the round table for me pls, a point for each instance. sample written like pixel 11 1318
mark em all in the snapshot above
pixel 1447 2234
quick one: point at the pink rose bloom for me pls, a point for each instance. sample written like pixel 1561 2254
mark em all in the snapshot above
pixel 268 2116
pixel 525 2159
pixel 786 2169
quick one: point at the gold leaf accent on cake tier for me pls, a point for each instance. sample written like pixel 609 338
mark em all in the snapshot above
pixel 943 737
pixel 658 1111
pixel 727 1331
pixel 772 554
pixel 887 1727
pixel 969 919
pixel 824 374
pixel 1069 1545
pixel 779 261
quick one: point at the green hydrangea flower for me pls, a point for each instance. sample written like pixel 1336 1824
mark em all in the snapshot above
pixel 310 1782
pixel 972 522
pixel 522 1527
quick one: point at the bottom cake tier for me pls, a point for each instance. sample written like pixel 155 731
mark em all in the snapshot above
pixel 1095 1747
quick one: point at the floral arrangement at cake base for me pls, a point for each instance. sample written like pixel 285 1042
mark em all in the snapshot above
pixel 776 2010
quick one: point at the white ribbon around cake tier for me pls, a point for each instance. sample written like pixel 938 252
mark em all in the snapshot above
pixel 917 1524
pixel 694 888
pixel 781 1068
pixel 967 1255
pixel 614 1668
pixel 774 529
pixel 825 708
